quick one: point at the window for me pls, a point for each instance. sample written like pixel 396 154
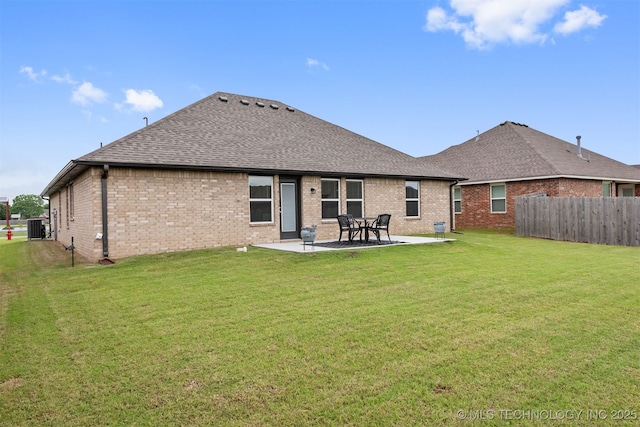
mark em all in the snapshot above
pixel 606 189
pixel 626 190
pixel 498 198
pixel 71 202
pixel 66 205
pixel 355 198
pixel 60 207
pixel 413 198
pixel 457 199
pixel 260 199
pixel 330 197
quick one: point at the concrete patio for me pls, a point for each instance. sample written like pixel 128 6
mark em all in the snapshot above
pixel 299 246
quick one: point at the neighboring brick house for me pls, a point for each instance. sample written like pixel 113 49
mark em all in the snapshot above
pixel 232 170
pixel 513 159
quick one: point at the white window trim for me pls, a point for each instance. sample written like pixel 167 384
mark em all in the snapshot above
pixel 322 199
pixel 361 181
pixel 410 199
pixel 459 188
pixel 491 198
pixel 622 187
pixel 272 221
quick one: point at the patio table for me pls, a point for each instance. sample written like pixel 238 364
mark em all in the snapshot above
pixel 365 223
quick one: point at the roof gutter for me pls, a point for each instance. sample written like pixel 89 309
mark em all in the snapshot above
pixel 69 172
pixel 533 178
pixel 267 171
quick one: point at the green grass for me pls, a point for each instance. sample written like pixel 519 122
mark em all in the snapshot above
pixel 405 335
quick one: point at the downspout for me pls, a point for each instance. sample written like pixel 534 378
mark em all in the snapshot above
pixel 452 207
pixel 48 204
pixel 105 224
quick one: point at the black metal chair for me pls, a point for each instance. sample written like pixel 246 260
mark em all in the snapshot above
pixel 381 224
pixel 348 224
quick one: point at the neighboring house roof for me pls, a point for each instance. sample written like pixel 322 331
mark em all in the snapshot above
pixel 513 151
pixel 228 132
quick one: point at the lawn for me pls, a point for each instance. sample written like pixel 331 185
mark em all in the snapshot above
pixel 488 330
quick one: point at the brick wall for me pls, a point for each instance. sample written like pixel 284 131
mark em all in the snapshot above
pixel 476 199
pixel 153 211
pixel 568 187
pixel 82 221
pixel 387 195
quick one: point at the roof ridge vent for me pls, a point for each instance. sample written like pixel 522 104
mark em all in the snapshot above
pixel 244 102
pixel 223 98
pixel 290 109
pixel 514 123
pixel 274 106
pixel 260 104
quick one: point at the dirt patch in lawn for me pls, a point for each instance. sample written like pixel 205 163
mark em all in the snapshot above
pixel 10 384
pixel 50 253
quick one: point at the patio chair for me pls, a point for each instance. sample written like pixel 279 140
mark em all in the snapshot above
pixel 348 224
pixel 381 224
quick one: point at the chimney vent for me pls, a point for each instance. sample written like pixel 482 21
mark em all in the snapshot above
pixel 579 153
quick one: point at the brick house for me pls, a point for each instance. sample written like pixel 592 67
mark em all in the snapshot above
pixel 513 159
pixel 232 170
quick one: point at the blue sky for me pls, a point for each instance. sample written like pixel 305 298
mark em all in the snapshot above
pixel 416 75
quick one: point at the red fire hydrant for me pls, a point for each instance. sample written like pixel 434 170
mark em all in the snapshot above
pixel 8 234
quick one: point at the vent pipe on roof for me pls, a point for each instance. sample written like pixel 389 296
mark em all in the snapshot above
pixel 579 153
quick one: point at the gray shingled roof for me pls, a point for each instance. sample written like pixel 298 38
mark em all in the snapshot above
pixel 233 132
pixel 512 151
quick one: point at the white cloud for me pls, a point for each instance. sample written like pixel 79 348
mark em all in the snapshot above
pixel 29 181
pixel 86 94
pixel 483 23
pixel 142 101
pixel 64 79
pixel 314 63
pixel 579 20
pixel 33 75
pixel 197 89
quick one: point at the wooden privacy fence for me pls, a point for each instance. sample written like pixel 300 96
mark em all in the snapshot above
pixel 602 220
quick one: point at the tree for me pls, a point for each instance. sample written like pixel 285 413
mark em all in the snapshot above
pixel 28 205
